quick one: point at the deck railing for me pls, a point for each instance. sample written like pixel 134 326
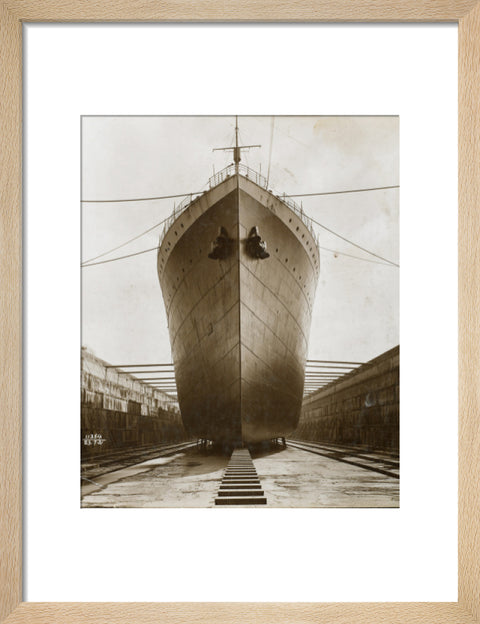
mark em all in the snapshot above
pixel 250 174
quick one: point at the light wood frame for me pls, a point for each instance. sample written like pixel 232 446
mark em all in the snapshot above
pixel 13 13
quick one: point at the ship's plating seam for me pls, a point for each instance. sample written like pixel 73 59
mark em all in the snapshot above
pixel 217 321
pixel 270 330
pixel 280 301
pixel 203 296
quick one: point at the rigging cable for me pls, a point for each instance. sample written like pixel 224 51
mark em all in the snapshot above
pixel 334 251
pixel 138 253
pixel 140 199
pixel 90 262
pixel 364 190
pixel 342 253
pixel 270 151
pixel 135 199
pixel 352 243
pixel 105 253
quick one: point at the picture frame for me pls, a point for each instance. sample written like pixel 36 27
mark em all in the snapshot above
pixel 13 13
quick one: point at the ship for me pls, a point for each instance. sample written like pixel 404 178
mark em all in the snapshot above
pixel 238 268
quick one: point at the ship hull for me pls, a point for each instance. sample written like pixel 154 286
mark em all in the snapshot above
pixel 239 325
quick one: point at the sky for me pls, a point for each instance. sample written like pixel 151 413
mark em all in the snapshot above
pixel 356 310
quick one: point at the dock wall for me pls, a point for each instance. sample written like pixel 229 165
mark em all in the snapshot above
pixel 119 412
pixel 361 409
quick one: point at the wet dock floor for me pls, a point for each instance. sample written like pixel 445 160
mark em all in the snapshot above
pixel 289 477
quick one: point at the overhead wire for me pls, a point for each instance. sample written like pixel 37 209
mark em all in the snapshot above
pixel 90 261
pixel 347 240
pixel 363 190
pixel 270 150
pixel 342 253
pixel 142 199
pixel 135 199
pixel 138 253
pixel 105 253
pixel 334 251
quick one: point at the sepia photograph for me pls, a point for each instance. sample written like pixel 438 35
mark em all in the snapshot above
pixel 240 312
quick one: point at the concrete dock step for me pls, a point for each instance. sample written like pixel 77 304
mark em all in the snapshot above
pixel 240 483
pixel 233 475
pixel 236 475
pixel 241 500
pixel 240 493
pixel 240 486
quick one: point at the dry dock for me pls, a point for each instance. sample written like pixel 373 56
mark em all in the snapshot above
pixel 289 477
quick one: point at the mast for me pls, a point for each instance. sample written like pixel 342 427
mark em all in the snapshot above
pixel 237 149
